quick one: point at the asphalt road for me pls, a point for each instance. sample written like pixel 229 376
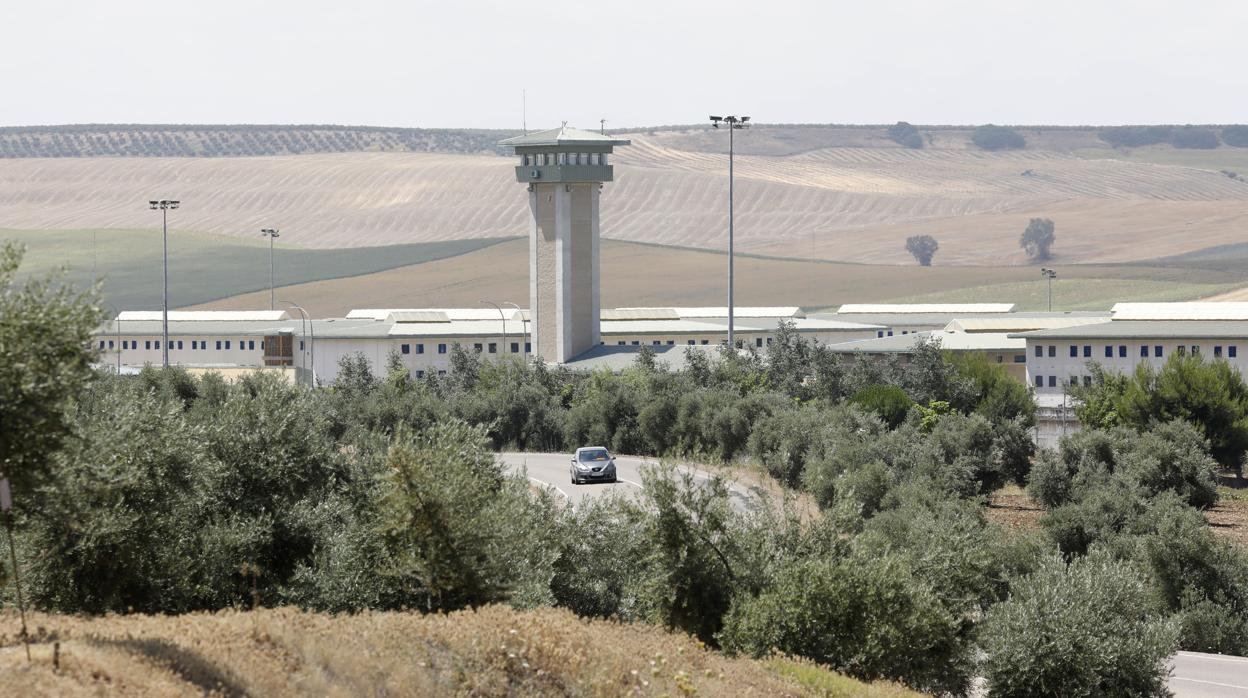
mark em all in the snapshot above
pixel 1199 675
pixel 1195 675
pixel 551 470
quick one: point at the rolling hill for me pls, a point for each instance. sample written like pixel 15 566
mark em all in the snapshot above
pixel 797 196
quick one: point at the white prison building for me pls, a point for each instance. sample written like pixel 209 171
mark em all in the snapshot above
pixel 423 339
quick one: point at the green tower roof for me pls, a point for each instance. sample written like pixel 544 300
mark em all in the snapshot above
pixel 562 136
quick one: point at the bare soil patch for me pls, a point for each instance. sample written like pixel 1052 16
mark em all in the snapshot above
pixel 1013 508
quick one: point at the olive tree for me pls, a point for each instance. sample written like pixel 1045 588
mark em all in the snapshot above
pixel 922 248
pixel 45 360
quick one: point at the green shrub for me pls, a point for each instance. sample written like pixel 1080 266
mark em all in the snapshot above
pixel 694 560
pixel 783 442
pixel 905 134
pixel 888 401
pixel 867 618
pixel 1199 576
pixel 1171 457
pixel 602 564
pixel 45 355
pixel 457 530
pixel 1088 628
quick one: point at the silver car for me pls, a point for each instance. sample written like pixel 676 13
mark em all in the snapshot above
pixel 592 463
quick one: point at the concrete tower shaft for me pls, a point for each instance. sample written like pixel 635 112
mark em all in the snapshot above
pixel 565 169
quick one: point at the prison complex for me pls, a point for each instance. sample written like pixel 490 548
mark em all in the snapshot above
pixel 564 171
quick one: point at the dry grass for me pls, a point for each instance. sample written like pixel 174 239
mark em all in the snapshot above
pixel 495 651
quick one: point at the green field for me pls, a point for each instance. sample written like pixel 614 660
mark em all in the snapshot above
pixel 206 268
pixel 202 267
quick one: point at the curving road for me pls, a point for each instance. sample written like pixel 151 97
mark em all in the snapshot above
pixel 1198 675
pixel 551 470
pixel 1194 675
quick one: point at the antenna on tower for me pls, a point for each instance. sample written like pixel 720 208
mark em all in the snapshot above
pixel 524 111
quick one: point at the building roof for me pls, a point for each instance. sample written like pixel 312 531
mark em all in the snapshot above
pixel 607 314
pixel 1020 324
pixel 563 136
pixel 206 315
pixel 951 341
pixel 907 308
pixel 721 311
pixel 1194 310
pixel 627 327
pixel 380 314
pixel 418 316
pixel 933 321
pixel 818 324
pixel 206 328
pixel 616 358
pixel 1143 329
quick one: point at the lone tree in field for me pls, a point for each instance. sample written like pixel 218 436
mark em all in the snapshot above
pixel 922 247
pixel 1038 238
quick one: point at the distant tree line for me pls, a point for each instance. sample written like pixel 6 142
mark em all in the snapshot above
pixel 128 140
pixel 1187 137
pixel 990 137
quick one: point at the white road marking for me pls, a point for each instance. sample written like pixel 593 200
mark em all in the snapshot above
pixel 1213 657
pixel 551 485
pixel 1209 683
pixel 634 484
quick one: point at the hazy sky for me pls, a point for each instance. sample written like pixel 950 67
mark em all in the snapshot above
pixel 465 63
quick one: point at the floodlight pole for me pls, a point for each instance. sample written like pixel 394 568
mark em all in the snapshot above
pixel 524 330
pixel 734 123
pixel 502 316
pixel 310 354
pixel 116 332
pixel 1049 275
pixel 271 234
pixel 164 205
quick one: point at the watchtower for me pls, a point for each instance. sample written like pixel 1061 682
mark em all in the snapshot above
pixel 564 168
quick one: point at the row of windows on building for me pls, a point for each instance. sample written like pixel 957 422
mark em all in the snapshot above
pixel 489 347
pixel 1157 351
pixel 542 159
pixel 1052 381
pixel 196 344
pixel 888 333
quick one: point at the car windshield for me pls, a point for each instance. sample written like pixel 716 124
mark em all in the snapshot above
pixel 594 454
